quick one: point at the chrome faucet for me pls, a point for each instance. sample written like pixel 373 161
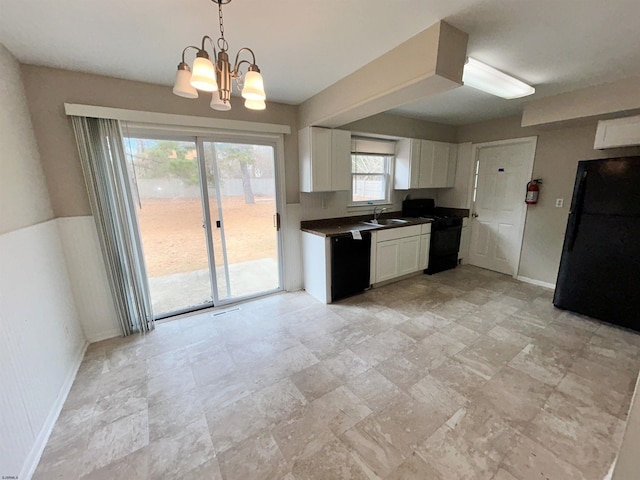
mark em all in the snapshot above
pixel 377 213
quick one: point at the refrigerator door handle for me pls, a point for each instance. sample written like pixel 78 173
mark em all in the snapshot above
pixel 574 215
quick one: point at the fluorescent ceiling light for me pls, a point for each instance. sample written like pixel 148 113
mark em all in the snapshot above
pixel 483 77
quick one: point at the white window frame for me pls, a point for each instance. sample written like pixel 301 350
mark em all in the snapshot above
pixel 386 175
pixel 377 147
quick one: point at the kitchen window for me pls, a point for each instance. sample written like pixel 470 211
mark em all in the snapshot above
pixel 371 169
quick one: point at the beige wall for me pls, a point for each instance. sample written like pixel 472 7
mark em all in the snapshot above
pixel 48 89
pixel 24 199
pixel 335 204
pixel 432 62
pixel 41 341
pixel 397 126
pixel 558 151
pixel 557 154
pixel 598 101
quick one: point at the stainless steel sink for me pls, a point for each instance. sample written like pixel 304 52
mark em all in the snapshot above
pixel 385 222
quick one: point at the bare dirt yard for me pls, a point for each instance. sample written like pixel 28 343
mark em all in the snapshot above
pixel 173 238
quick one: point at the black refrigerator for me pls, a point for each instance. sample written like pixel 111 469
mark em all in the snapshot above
pixel 599 272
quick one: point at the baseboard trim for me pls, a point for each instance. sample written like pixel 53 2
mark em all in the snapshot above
pixel 104 336
pixel 30 465
pixel 539 283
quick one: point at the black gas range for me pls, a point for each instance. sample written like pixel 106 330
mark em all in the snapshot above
pixel 445 233
pixel 443 221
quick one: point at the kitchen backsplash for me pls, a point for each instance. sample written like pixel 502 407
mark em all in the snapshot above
pixel 335 204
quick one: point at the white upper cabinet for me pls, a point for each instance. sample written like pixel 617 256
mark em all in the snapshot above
pixel 340 160
pixel 437 164
pixel 407 169
pixel 618 132
pixel 425 164
pixel 452 165
pixel 325 159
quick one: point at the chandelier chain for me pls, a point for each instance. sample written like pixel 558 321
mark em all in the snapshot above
pixel 222 42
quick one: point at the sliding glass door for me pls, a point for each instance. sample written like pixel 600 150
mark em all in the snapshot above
pixel 208 219
pixel 242 202
pixel 165 185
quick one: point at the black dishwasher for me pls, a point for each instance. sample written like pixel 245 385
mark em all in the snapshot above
pixel 350 265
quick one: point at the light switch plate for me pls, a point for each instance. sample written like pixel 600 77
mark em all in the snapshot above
pixel 559 202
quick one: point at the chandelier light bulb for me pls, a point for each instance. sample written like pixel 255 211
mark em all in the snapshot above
pixel 218 104
pixel 204 75
pixel 182 86
pixel 255 104
pixel 253 86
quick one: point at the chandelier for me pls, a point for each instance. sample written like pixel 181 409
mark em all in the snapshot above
pixel 217 76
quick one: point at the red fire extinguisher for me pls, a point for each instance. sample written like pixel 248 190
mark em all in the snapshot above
pixel 533 191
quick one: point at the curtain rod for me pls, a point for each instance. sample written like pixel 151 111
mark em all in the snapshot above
pixel 95 111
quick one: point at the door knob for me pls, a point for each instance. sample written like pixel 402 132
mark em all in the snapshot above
pixel 474 215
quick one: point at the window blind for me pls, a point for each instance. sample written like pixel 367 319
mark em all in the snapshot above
pixel 372 146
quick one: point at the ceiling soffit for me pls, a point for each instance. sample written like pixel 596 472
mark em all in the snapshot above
pixel 432 62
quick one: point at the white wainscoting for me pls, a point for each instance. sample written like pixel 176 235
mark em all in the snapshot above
pixel 41 343
pixel 88 276
pixel 628 462
pixel 89 279
pixel 292 249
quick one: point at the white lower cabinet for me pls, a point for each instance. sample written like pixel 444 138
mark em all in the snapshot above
pixel 395 252
pixel 316 261
pixel 400 251
pixel 387 254
pixel 425 243
pixel 409 255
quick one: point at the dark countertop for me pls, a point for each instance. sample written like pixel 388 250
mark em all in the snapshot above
pixel 332 227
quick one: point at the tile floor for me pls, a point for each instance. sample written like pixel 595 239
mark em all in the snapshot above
pixel 467 374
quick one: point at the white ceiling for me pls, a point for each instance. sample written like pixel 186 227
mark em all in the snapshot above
pixel 303 46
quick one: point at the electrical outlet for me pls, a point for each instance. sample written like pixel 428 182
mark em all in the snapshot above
pixel 559 202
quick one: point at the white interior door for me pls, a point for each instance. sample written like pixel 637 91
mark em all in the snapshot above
pixel 502 170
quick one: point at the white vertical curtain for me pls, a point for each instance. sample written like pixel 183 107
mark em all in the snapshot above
pixel 103 163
